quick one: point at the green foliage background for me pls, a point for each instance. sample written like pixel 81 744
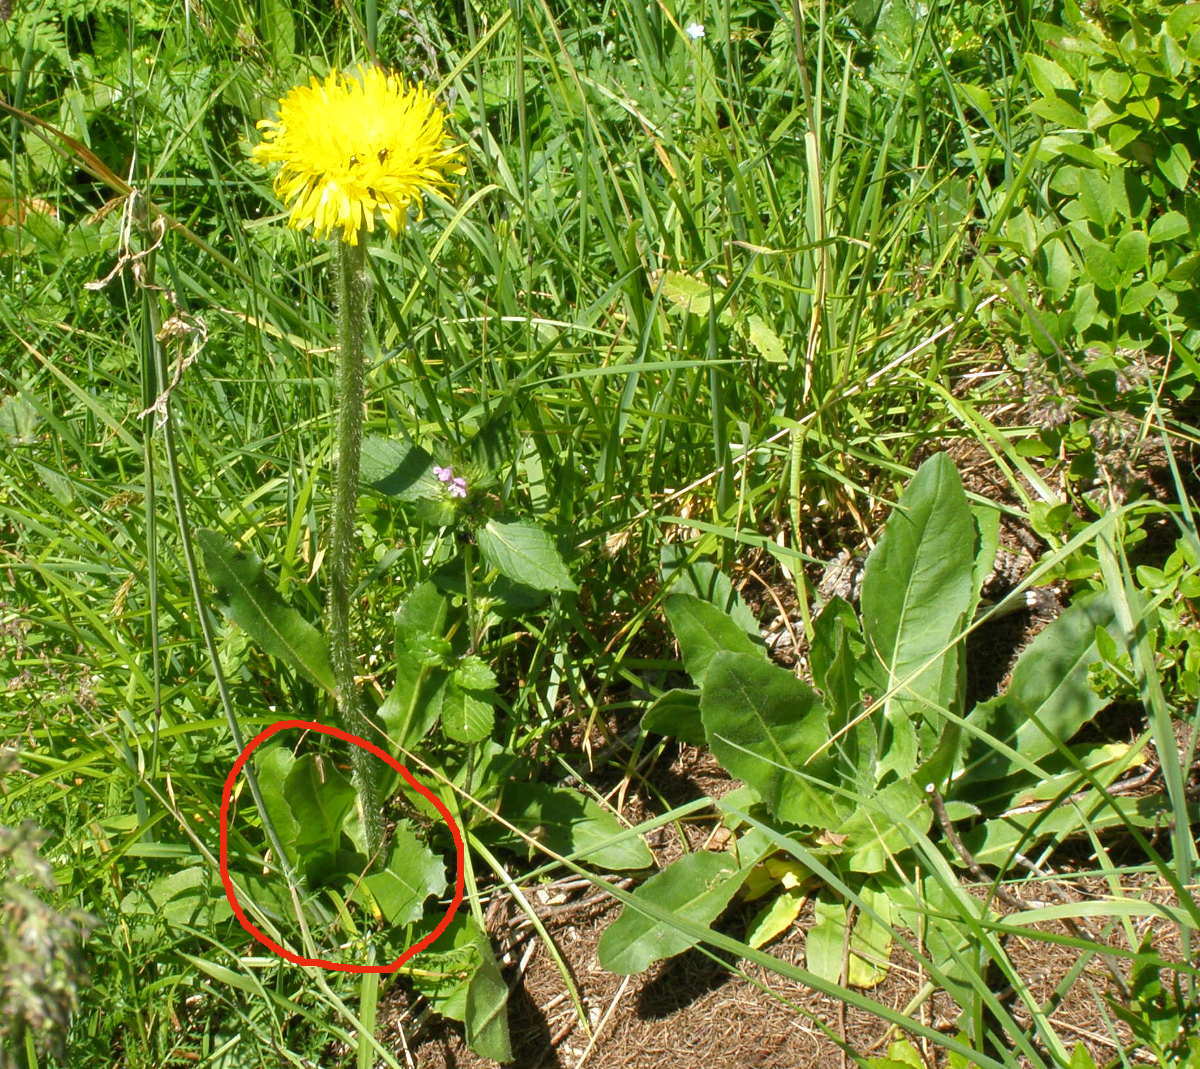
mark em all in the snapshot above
pixel 734 287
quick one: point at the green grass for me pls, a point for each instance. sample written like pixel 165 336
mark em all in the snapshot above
pixel 839 185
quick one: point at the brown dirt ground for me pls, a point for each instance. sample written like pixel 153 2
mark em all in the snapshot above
pixel 693 1010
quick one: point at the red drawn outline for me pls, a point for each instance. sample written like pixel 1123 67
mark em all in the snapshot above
pixel 354 740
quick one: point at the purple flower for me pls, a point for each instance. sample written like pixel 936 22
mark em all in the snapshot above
pixel 458 488
pixel 444 474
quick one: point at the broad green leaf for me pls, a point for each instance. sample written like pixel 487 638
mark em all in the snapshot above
pixel 247 596
pixel 1060 112
pixel 703 579
pixel 677 715
pixel 412 874
pixel 278 30
pixel 703 631
pixel 1047 76
pixel 472 673
pixel 884 823
pixel 1058 268
pixel 697 886
pixel 188 896
pixel 981 99
pixel 916 593
pixel 776 917
pixel 993 842
pixel 835 657
pixel 765 340
pixel 401 470
pixel 987 542
pixel 1048 699
pixel 465 716
pixel 1096 197
pixel 421 616
pixel 321 799
pixel 1169 226
pixel 572 824
pixel 308 801
pixel 691 294
pixel 1132 253
pixel 1081 1058
pixel 833 631
pixel 273 765
pixel 469 988
pixel 1101 265
pixel 525 554
pixel 901 1055
pixel 938 760
pixel 414 703
pixel 19 419
pixel 1175 165
pixel 940 912
pixel 871 940
pixel 825 944
pixel 763 725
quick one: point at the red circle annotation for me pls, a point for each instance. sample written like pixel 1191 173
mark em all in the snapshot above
pixel 354 740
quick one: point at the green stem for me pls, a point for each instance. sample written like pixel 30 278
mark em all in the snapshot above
pixel 352 318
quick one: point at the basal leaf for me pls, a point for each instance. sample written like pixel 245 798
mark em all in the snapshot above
pixel 776 917
pixel 467 986
pixel 870 940
pixel 572 824
pixel 1048 699
pixel 916 593
pixel 411 875
pixel 825 944
pixel 885 823
pixel 994 841
pixel 703 631
pixel 697 886
pixel 940 911
pixel 320 798
pixel 247 596
pixel 764 725
pixel 677 715
pixel 835 657
pixel 683 575
pixel 308 801
pixel 273 765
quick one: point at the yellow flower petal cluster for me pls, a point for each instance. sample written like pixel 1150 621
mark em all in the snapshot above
pixel 354 145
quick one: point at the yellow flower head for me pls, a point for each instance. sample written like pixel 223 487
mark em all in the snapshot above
pixel 353 145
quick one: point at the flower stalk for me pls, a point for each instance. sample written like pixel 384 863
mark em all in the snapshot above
pixel 352 317
pixel 355 149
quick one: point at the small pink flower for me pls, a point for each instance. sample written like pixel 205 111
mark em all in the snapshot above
pixel 444 474
pixel 458 488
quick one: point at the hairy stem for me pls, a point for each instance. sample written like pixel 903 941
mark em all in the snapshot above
pixel 352 316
